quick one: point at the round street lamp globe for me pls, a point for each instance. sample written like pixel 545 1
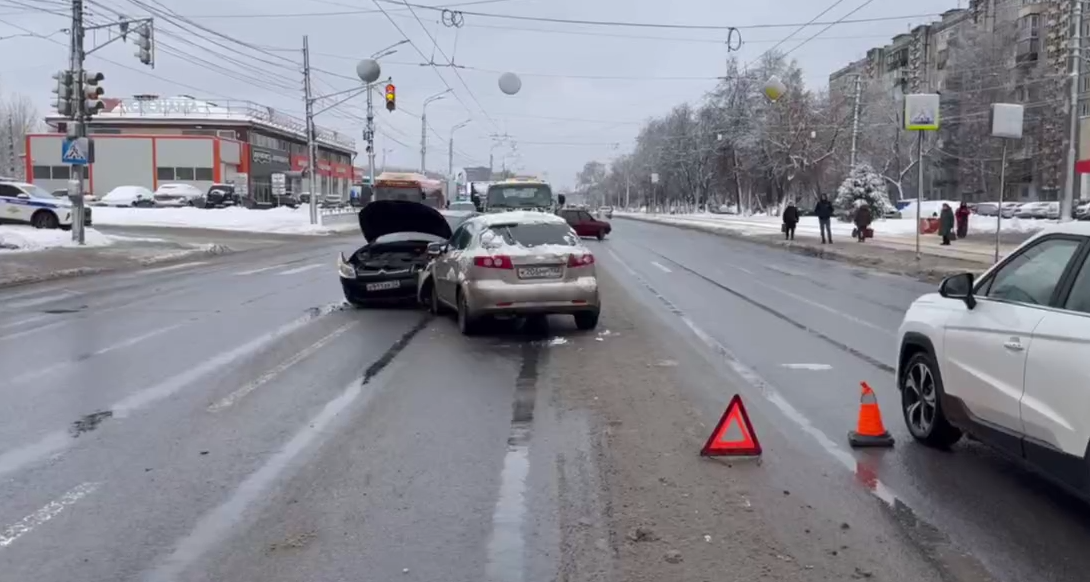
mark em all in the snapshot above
pixel 368 70
pixel 510 83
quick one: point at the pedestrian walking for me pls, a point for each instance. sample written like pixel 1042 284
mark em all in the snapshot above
pixel 946 224
pixel 790 219
pixel 962 219
pixel 824 212
pixel 863 218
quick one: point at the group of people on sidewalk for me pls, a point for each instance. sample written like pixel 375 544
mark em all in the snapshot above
pixel 951 225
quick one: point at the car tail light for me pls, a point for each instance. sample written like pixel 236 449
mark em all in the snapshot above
pixel 580 260
pixel 494 262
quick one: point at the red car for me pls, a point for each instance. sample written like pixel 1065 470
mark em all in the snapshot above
pixel 584 224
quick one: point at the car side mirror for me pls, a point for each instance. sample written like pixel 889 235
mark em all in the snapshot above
pixel 437 248
pixel 959 286
pixel 23 196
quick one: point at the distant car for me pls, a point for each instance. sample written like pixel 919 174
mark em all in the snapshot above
pixel 179 194
pixel 63 193
pixel 136 196
pixel 1052 211
pixel 987 209
pixel 222 196
pixel 462 206
pixel 584 224
pixel 23 203
pixel 606 211
pixel 512 263
pixel 1032 210
pixel 398 233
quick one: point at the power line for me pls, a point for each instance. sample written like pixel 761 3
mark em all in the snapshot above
pixel 841 20
pixel 796 31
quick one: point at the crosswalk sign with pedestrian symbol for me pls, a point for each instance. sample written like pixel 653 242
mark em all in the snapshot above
pixel 76 151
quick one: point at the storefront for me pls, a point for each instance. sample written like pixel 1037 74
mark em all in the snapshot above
pixel 264 162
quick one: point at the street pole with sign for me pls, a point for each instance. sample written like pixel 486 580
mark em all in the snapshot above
pixel 1006 125
pixel 921 115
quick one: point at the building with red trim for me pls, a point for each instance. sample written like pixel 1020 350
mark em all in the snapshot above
pixel 147 141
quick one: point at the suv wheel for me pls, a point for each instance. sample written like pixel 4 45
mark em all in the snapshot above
pixel 468 324
pixel 44 219
pixel 921 403
pixel 586 320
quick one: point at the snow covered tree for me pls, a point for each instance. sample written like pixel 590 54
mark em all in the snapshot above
pixel 863 186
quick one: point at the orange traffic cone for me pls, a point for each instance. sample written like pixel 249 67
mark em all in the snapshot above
pixel 869 431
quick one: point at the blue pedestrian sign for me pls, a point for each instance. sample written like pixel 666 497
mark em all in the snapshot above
pixel 76 151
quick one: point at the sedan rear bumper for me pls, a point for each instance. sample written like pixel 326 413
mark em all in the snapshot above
pixel 497 297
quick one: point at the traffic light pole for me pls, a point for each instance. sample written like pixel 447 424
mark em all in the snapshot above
pixel 77 129
pixel 311 162
pixel 371 140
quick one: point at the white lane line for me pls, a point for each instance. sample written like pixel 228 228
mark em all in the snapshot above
pixel 51 510
pixel 260 270
pixel 661 267
pixel 34 330
pixel 38 300
pixel 122 344
pixel 261 380
pixel 811 367
pixel 24 321
pixel 506 546
pixel 174 267
pixel 298 270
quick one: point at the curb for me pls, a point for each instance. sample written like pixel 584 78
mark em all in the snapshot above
pixel 928 274
pixel 210 250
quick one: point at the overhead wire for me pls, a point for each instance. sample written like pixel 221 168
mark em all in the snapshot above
pixel 796 31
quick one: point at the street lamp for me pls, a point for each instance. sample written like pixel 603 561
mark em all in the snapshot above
pixel 424 127
pixel 450 147
pixel 388 50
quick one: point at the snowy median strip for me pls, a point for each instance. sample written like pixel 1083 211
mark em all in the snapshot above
pixel 275 220
pixel 28 238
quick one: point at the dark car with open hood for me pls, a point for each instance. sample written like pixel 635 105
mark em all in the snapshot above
pixel 397 233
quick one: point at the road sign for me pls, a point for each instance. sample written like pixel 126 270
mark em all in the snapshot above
pixel 734 435
pixel 242 185
pixel 76 151
pixel 279 185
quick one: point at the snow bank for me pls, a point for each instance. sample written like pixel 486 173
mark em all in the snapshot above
pixel 276 220
pixel 28 238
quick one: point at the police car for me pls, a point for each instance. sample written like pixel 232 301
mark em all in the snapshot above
pixel 22 203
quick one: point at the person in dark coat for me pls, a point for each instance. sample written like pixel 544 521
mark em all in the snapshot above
pixel 863 218
pixel 790 219
pixel 824 212
pixel 946 224
pixel 962 219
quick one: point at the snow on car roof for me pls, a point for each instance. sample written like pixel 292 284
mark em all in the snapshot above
pixel 1076 227
pixel 520 217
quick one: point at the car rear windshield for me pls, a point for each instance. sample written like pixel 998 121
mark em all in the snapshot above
pixel 535 234
pixel 409 194
pixel 519 196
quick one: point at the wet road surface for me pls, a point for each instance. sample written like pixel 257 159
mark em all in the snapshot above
pixel 229 419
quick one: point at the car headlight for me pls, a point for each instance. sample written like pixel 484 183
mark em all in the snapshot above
pixel 346 270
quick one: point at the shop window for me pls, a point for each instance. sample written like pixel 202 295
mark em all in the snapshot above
pixel 203 174
pixel 183 173
pixel 164 173
pixel 61 172
pixel 42 173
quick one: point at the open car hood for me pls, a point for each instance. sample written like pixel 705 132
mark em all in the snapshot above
pixel 384 217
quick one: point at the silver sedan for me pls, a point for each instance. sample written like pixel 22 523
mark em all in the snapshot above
pixel 512 263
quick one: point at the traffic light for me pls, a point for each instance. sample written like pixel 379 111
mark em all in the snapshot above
pixel 391 97
pixel 65 92
pixel 144 43
pixel 92 92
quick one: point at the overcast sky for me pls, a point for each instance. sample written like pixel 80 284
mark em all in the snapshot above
pixel 568 111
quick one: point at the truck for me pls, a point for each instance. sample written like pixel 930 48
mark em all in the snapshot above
pixel 409 186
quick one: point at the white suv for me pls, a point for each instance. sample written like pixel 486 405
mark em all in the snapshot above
pixel 24 203
pixel 1006 357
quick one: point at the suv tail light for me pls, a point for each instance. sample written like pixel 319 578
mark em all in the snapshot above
pixel 494 262
pixel 580 260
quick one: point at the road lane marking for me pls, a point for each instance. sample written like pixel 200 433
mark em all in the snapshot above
pixel 34 330
pixel 661 267
pixel 58 440
pixel 298 270
pixel 25 321
pixel 51 510
pixel 122 344
pixel 261 380
pixel 20 304
pixel 811 367
pixel 259 270
pixel 174 267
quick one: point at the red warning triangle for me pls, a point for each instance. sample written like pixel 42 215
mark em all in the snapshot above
pixel 734 435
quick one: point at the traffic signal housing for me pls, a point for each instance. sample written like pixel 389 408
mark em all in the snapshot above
pixel 143 43
pixel 92 93
pixel 391 97
pixel 65 92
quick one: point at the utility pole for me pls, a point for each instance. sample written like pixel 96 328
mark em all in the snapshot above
pixel 77 129
pixel 11 146
pixel 312 166
pixel 855 121
pixel 1073 98
pixel 370 136
pixel 424 128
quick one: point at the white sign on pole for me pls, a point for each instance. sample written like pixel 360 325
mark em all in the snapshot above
pixel 242 184
pixel 279 185
pixel 654 178
pixel 1007 120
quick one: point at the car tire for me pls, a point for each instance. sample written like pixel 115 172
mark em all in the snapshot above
pixel 44 219
pixel 601 235
pixel 468 324
pixel 921 403
pixel 586 320
pixel 435 306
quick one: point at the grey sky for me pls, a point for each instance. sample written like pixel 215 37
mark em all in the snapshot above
pixel 557 69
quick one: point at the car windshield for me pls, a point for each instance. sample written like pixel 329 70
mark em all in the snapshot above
pixel 535 234
pixel 410 194
pixel 519 196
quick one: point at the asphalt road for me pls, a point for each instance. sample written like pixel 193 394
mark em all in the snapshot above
pixel 230 419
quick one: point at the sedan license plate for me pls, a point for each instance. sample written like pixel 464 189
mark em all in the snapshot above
pixel 383 286
pixel 539 272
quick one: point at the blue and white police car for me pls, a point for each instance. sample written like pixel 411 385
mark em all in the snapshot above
pixel 23 203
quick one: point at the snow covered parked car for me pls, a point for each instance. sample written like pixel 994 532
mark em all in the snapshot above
pixel 177 194
pixel 138 196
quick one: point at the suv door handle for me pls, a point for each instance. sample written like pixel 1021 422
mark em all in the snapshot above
pixel 1013 345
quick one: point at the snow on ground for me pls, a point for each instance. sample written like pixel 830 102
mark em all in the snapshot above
pixel 276 220
pixel 897 227
pixel 28 238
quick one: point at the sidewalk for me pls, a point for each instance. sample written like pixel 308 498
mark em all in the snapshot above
pixel 895 253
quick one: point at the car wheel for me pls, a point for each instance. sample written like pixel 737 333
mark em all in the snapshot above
pixel 601 235
pixel 434 305
pixel 921 403
pixel 586 320
pixel 468 324
pixel 44 219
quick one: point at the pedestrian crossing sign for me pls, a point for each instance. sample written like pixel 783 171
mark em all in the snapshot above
pixel 76 152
